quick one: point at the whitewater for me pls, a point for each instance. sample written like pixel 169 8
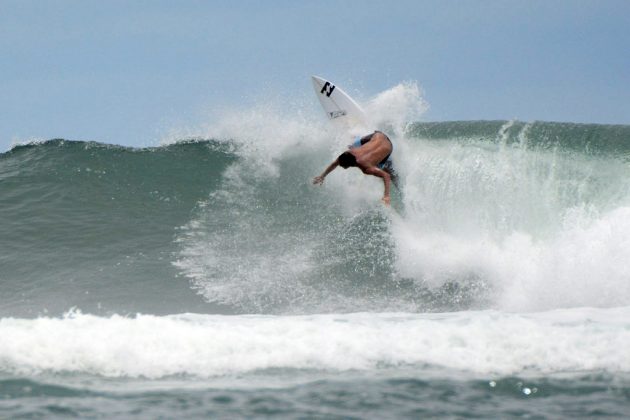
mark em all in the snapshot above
pixel 207 276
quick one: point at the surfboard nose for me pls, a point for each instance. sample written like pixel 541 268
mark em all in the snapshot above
pixel 337 104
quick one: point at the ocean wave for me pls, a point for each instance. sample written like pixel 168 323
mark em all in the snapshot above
pixel 489 215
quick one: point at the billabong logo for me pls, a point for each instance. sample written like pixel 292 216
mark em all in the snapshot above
pixel 327 89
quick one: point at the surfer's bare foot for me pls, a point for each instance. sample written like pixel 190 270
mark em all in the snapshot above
pixel 386 200
pixel 318 180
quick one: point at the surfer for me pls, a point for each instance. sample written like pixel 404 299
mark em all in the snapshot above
pixel 371 154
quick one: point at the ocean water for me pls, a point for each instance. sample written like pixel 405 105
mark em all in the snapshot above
pixel 207 277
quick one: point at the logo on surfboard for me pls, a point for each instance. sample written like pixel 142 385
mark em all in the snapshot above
pixel 328 90
pixel 336 114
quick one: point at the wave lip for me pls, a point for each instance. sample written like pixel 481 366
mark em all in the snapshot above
pixel 480 343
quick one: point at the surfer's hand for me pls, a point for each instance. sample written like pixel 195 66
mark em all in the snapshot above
pixel 318 180
pixel 386 200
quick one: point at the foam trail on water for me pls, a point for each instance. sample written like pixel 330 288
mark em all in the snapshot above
pixel 482 343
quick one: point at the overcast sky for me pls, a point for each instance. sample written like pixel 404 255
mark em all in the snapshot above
pixel 127 72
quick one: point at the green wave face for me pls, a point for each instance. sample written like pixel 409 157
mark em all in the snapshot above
pixel 91 225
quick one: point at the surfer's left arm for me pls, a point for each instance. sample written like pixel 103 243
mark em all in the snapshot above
pixel 320 178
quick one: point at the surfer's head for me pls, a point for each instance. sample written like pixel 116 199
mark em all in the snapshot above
pixel 346 160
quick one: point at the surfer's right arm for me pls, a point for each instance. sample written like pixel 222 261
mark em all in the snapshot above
pixel 320 178
pixel 386 181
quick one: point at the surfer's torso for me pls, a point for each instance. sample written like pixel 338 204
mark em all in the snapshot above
pixel 372 150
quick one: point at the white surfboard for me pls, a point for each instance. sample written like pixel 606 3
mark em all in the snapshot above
pixel 338 105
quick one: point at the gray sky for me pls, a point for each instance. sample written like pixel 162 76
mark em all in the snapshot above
pixel 127 72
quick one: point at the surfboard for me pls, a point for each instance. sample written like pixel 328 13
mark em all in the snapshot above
pixel 338 105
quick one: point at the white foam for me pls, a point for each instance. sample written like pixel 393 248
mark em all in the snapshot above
pixel 582 265
pixel 535 225
pixel 486 343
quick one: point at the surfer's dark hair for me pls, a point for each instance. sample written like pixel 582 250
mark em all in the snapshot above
pixel 346 160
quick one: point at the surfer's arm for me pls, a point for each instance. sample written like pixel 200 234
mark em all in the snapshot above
pixel 320 179
pixel 386 180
